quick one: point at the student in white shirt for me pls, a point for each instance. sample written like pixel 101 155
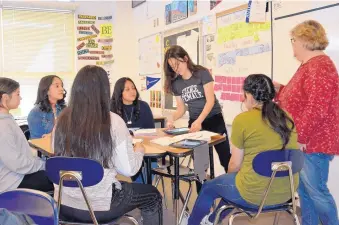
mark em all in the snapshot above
pixel 91 131
pixel 18 167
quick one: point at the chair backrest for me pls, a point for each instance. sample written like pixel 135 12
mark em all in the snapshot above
pixel 278 163
pixel 25 130
pixel 262 163
pixel 39 206
pixel 91 171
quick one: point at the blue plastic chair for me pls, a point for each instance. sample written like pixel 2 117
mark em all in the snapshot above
pixel 272 164
pixel 39 206
pixel 77 173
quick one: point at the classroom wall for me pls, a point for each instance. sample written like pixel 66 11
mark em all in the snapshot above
pixel 143 19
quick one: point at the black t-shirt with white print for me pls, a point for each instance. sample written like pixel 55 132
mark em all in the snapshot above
pixel 192 93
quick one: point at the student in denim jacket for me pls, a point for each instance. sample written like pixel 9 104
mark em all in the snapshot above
pixel 48 105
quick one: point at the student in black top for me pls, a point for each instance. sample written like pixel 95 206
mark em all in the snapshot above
pixel 126 103
pixel 136 113
pixel 193 85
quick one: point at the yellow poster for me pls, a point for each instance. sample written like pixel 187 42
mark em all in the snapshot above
pixel 106 30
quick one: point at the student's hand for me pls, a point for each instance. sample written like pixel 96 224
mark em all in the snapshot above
pixel 276 86
pixel 139 147
pixel 170 124
pixel 195 127
pixel 302 147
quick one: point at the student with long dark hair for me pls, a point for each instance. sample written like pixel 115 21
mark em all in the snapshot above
pixel 193 85
pixel 87 128
pixel 265 126
pixel 18 167
pixel 126 103
pixel 136 113
pixel 48 105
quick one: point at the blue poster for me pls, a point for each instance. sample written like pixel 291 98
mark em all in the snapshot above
pixel 179 10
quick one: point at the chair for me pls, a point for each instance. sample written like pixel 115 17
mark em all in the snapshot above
pixel 273 163
pixel 25 130
pixel 77 173
pixel 186 174
pixel 39 206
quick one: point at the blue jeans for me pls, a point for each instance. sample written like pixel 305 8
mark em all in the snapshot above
pixel 140 177
pixel 221 187
pixel 315 199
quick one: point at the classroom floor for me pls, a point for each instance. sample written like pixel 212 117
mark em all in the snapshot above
pixel 267 219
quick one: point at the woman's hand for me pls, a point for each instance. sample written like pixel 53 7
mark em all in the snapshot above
pixel 195 127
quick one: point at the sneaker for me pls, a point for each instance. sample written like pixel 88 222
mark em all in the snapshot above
pixel 205 220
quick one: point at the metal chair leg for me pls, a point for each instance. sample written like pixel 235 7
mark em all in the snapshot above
pixel 184 207
pixel 276 218
pixel 232 217
pixel 217 216
pixel 157 179
pixel 164 192
pixel 296 219
pixel 134 221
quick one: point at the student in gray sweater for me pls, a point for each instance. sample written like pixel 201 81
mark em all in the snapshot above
pixel 18 167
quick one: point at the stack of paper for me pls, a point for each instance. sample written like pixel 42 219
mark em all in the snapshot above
pixel 145 132
pixel 201 135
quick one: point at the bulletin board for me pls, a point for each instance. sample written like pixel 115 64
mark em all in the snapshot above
pixel 235 51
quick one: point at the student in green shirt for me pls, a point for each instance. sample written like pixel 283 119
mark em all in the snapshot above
pixel 265 126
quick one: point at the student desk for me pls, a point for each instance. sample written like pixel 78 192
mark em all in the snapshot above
pixel 43 145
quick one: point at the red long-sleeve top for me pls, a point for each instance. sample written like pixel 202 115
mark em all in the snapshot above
pixel 312 98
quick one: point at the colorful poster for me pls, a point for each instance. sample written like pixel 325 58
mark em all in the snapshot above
pixel 94 41
pixel 178 10
pixel 168 14
pixel 192 7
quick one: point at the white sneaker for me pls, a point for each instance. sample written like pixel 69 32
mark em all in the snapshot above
pixel 205 220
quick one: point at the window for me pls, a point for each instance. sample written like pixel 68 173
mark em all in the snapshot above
pixel 36 43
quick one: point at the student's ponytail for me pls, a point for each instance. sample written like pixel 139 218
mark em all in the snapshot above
pixel 262 89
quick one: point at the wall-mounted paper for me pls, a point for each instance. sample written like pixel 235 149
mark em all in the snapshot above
pixel 106 30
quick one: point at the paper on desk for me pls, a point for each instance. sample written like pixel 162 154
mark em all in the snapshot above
pixel 135 140
pixel 201 135
pixel 145 132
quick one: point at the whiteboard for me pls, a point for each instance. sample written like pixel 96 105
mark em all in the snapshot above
pixel 284 64
pixel 150 55
pixel 240 49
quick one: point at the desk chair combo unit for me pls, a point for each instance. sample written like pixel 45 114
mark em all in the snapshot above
pixel 272 164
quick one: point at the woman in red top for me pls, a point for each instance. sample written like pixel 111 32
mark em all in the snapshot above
pixel 312 98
